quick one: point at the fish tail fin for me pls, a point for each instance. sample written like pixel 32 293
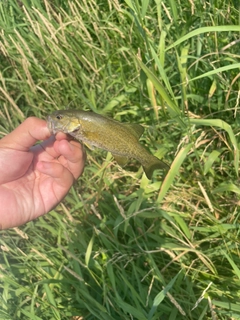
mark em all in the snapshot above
pixel 152 165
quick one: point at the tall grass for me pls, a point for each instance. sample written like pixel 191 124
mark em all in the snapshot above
pixel 120 246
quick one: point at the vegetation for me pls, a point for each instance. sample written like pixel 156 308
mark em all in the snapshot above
pixel 120 246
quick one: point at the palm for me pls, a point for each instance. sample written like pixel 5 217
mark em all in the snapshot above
pixel 33 181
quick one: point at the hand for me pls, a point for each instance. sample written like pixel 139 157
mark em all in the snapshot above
pixel 34 179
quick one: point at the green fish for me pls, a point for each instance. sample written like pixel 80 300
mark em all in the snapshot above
pixel 121 139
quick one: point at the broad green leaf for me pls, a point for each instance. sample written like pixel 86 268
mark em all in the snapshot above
pixel 226 187
pixel 163 74
pixel 182 224
pixel 227 305
pixel 209 29
pixel 161 295
pixel 217 71
pixel 30 315
pixel 174 170
pixel 210 160
pixel 89 251
pixel 145 4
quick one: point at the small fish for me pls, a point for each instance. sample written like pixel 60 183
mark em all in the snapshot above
pixel 121 139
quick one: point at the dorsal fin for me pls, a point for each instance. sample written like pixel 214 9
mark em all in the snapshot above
pixel 135 129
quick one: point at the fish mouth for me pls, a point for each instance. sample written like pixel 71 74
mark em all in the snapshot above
pixel 50 124
pixel 75 131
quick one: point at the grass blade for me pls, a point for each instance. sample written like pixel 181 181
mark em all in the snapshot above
pixel 174 170
pixel 198 31
pixel 161 295
pixel 225 126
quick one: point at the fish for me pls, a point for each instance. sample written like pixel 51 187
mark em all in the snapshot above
pixel 95 130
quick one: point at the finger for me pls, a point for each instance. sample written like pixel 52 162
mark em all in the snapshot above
pixel 57 183
pixel 52 149
pixel 45 150
pixel 72 156
pixel 63 136
pixel 57 172
pixel 27 134
pixel 57 186
pixel 49 145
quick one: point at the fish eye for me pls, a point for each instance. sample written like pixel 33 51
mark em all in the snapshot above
pixel 59 116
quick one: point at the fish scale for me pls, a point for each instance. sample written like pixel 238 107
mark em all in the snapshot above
pixel 121 139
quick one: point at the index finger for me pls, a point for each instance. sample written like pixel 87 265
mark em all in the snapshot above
pixel 26 134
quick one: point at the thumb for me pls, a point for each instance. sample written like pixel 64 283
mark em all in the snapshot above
pixel 26 134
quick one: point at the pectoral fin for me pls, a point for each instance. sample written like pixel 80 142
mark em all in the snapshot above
pixel 91 147
pixel 120 160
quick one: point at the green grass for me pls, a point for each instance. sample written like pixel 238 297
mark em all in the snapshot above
pixel 121 246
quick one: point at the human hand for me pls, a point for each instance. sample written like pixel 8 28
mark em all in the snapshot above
pixel 35 178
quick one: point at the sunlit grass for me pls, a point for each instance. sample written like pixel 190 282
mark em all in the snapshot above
pixel 121 246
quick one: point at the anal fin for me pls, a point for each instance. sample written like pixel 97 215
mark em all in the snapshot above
pixel 120 159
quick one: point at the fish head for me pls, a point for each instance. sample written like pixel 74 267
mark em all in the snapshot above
pixel 63 121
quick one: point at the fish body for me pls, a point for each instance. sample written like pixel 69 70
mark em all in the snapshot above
pixel 121 139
